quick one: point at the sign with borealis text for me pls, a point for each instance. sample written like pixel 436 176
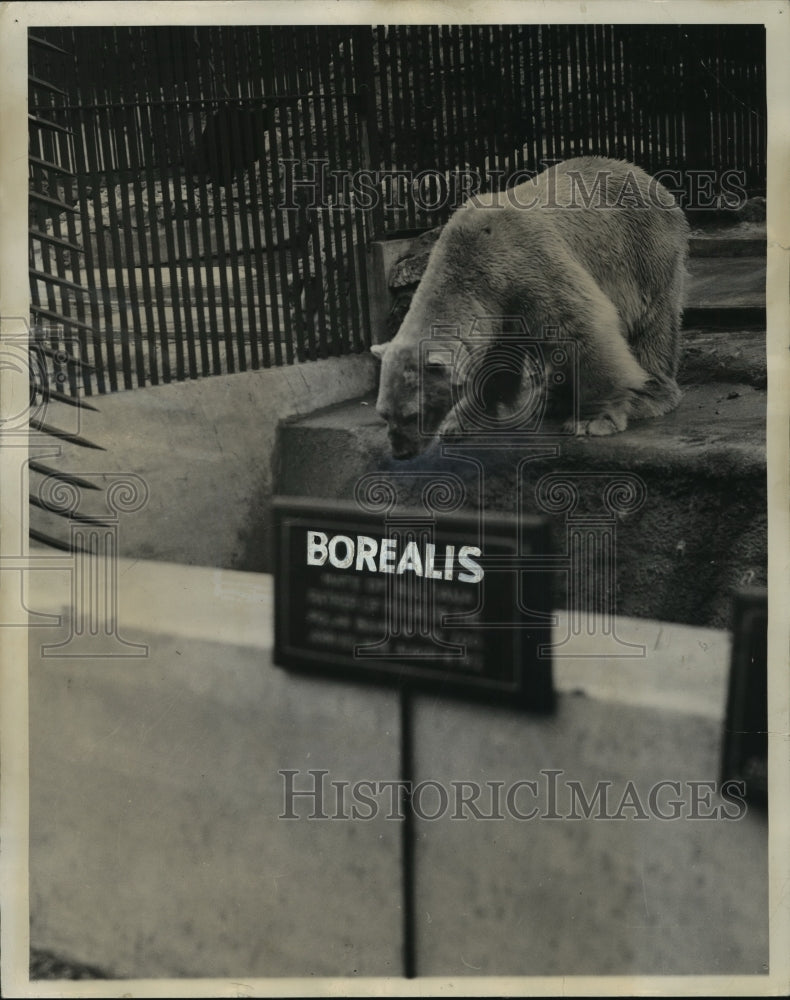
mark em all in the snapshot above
pixel 441 603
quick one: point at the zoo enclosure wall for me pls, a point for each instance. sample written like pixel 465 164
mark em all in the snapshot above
pixel 188 215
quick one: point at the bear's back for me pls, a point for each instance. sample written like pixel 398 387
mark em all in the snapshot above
pixel 622 225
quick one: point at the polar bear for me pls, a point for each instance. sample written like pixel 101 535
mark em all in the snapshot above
pixel 591 248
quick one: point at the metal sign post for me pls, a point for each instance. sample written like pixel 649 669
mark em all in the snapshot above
pixel 421 601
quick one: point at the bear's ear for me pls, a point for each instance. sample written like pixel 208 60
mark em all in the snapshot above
pixel 379 350
pixel 452 359
pixel 439 358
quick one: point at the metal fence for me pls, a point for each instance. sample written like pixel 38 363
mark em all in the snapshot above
pixel 511 98
pixel 202 198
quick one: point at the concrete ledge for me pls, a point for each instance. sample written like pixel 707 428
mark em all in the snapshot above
pixel 737 356
pixel 202 447
pixel 713 245
pixel 156 847
pixel 725 291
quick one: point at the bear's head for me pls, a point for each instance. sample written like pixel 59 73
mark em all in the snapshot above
pixel 415 394
pixel 426 365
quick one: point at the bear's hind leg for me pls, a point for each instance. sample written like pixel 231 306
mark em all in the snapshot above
pixel 657 396
pixel 655 342
pixel 655 336
pixel 619 375
pixel 609 382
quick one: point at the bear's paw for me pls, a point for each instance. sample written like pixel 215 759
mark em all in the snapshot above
pixel 602 425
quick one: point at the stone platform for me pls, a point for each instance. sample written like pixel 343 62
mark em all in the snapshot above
pixel 699 534
pixel 701 531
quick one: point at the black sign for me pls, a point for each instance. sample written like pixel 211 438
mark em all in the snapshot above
pixel 745 755
pixel 438 603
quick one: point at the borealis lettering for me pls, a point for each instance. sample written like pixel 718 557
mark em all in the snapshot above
pixel 382 555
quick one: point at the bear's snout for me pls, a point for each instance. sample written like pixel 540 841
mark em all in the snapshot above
pixel 402 449
pixel 404 441
pixel 403 432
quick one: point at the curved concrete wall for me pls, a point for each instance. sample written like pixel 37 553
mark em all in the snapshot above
pixel 204 449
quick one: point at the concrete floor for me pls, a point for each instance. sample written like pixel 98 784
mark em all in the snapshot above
pixel 156 849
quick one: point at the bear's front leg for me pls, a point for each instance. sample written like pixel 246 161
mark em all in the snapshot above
pixel 457 421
